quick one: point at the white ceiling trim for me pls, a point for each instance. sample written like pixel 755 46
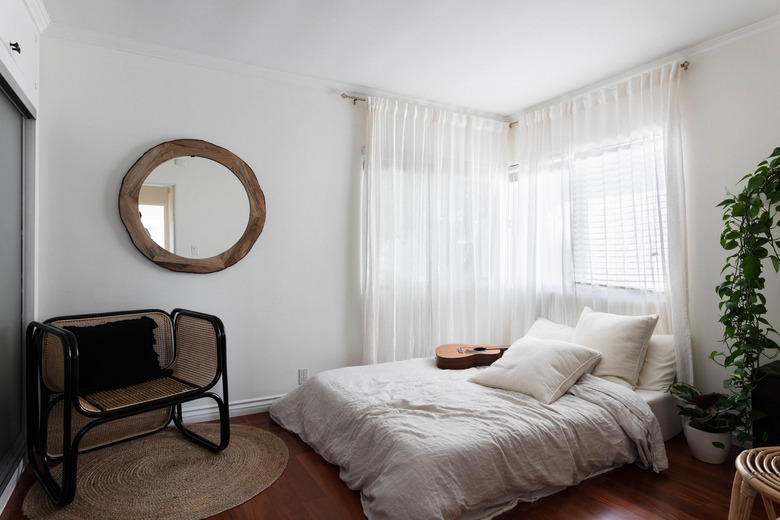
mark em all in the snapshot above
pixel 735 36
pixel 112 42
pixel 105 40
pixel 688 53
pixel 38 13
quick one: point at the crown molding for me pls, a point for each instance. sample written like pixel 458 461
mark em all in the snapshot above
pixel 680 55
pixel 733 37
pixel 38 13
pixel 109 41
pixel 113 42
pixel 117 43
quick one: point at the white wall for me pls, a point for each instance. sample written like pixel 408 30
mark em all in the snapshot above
pixel 731 115
pixel 293 301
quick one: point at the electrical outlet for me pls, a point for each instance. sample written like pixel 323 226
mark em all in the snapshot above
pixel 303 375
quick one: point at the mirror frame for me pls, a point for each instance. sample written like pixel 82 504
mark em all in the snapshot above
pixel 131 189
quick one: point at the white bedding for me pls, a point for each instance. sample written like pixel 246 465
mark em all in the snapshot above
pixel 664 407
pixel 423 443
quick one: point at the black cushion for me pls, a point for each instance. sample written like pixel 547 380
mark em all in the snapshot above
pixel 117 354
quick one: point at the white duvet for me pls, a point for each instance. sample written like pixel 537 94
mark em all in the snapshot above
pixel 423 443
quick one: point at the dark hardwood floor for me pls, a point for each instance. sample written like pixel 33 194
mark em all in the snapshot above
pixel 310 488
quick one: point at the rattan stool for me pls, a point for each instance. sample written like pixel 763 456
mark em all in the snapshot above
pixel 758 471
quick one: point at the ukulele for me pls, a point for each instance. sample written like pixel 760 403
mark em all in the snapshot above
pixel 458 356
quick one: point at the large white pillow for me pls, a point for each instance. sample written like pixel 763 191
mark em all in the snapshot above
pixel 541 368
pixel 622 341
pixel 546 329
pixel 660 366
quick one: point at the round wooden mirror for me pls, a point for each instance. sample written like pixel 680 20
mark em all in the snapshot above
pixel 180 151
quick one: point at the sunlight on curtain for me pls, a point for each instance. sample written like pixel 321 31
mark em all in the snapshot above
pixel 461 249
pixel 598 209
pixel 433 188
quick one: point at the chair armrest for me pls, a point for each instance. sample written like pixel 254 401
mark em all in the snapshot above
pixel 200 347
pixel 56 360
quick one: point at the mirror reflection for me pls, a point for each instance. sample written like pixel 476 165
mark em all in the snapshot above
pixel 201 203
pixel 193 207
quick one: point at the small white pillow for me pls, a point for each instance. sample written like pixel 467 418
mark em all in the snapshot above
pixel 660 366
pixel 541 368
pixel 622 341
pixel 546 329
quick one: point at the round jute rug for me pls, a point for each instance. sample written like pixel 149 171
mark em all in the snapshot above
pixel 166 477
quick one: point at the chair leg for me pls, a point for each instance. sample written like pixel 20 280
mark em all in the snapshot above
pixel 61 493
pixel 770 507
pixel 742 498
pixel 224 426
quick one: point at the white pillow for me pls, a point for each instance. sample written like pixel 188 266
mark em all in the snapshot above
pixel 660 366
pixel 541 368
pixel 546 329
pixel 622 341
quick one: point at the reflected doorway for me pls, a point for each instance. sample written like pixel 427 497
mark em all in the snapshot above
pixel 157 214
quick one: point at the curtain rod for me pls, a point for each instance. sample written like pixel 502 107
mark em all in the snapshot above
pixel 684 65
pixel 354 99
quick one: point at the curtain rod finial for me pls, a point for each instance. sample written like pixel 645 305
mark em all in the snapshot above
pixel 354 99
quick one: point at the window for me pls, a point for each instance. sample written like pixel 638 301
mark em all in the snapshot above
pixel 618 215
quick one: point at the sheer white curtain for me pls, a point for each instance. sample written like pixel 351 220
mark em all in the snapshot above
pixel 597 209
pixel 433 189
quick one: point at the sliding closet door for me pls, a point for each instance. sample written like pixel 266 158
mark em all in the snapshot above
pixel 11 430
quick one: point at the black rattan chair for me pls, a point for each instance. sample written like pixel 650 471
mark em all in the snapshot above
pixel 78 401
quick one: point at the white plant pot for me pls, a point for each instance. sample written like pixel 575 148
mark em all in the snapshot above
pixel 700 444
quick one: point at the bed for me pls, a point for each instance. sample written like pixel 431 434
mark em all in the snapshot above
pixel 424 443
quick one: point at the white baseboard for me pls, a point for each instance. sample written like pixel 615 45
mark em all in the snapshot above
pixel 210 412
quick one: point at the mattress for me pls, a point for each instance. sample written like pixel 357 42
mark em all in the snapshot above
pixel 664 407
pixel 423 443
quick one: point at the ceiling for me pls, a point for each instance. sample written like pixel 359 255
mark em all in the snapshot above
pixel 491 56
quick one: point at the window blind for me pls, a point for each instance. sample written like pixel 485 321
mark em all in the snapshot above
pixel 618 214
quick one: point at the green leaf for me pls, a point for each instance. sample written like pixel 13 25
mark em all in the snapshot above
pixel 755 415
pixel 759 252
pixel 758 309
pixel 755 182
pixel 751 266
pixel 684 392
pixel 744 437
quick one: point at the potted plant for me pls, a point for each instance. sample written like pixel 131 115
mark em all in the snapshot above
pixel 709 420
pixel 750 234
